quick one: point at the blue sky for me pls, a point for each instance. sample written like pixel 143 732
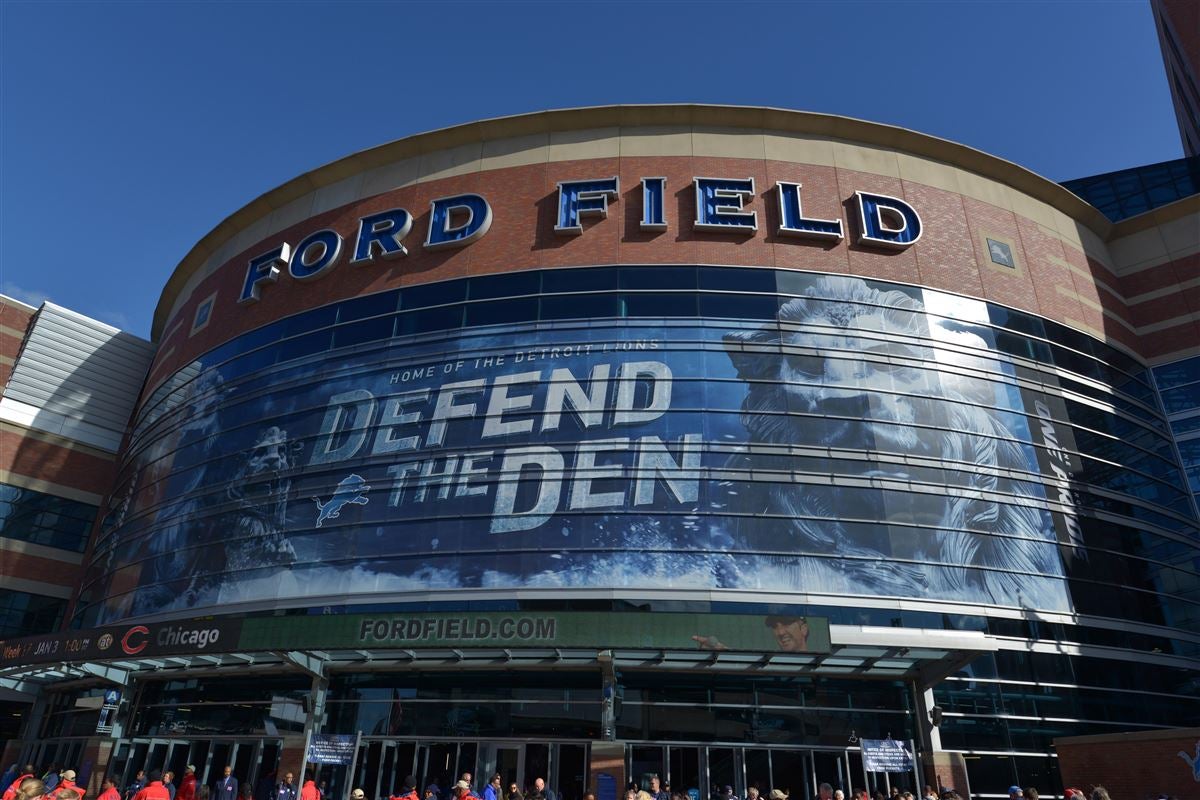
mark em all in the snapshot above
pixel 129 130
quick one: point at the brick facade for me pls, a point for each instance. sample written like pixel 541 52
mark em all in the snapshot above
pixel 1064 270
pixel 1133 766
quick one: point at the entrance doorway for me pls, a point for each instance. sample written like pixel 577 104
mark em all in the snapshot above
pixel 251 759
pixel 704 772
pixel 384 763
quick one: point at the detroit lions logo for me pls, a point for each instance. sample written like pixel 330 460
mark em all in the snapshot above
pixel 1193 762
pixel 351 489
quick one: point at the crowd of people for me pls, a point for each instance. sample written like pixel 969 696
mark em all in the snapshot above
pixel 661 790
pixel 463 790
pixel 59 784
pixel 24 784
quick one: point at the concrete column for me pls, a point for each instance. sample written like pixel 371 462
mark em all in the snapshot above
pixel 313 722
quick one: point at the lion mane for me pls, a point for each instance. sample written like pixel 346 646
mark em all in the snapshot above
pixel 953 561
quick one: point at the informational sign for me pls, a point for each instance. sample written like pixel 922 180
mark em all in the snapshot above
pixel 332 748
pixel 781 633
pixel 152 639
pixel 886 755
pixel 108 711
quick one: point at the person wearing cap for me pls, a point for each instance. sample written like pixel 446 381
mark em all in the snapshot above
pixel 791 632
pixel 65 784
pixel 286 788
pixel 154 789
pixel 358 794
pixel 408 791
pixel 433 792
pixel 461 790
pixel 187 786
pixel 1015 793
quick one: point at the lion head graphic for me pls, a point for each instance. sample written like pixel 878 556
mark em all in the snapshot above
pixel 259 491
pixel 841 371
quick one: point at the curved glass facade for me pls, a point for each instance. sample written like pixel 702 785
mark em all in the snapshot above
pixel 664 427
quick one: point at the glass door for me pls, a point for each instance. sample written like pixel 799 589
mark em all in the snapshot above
pixel 722 772
pixel 791 771
pixel 684 771
pixel 506 759
pixel 644 763
pixel 570 771
pixel 438 761
pixel 829 767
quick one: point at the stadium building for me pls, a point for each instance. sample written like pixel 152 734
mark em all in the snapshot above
pixel 739 446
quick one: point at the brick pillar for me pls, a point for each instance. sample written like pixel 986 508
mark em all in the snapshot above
pixel 946 770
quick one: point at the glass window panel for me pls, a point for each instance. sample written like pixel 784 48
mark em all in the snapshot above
pixel 1182 398
pixel 433 294
pixel 430 319
pixel 497 312
pixel 512 284
pixel 371 330
pixel 658 277
pixel 373 305
pixel 737 280
pixel 308 321
pixel 1178 372
pixel 302 346
pixel 1185 425
pixel 584 279
pixel 659 305
pixel 582 306
pixel 739 306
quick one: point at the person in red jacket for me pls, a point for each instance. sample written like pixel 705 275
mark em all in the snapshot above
pixel 66 784
pixel 309 792
pixel 110 790
pixel 11 791
pixel 154 789
pixel 408 791
pixel 187 787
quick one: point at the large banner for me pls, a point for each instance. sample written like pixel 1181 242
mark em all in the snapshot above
pixel 867 439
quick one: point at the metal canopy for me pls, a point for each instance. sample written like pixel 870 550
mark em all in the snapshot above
pixel 922 656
